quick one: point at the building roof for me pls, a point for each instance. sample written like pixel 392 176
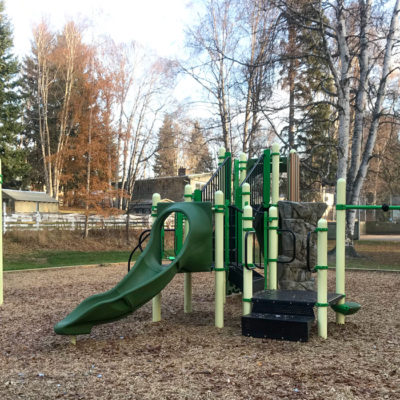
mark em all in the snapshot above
pixel 187 176
pixel 22 195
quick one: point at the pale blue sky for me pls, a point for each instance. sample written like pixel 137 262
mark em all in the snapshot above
pixel 158 24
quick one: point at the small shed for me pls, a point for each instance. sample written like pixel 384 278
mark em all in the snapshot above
pixel 169 187
pixel 20 201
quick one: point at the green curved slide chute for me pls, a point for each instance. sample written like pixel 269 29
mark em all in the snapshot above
pixel 148 276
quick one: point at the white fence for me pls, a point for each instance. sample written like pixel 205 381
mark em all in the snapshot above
pixel 39 221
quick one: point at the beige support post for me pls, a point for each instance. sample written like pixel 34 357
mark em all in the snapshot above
pixel 221 158
pixel 187 306
pixel 242 167
pixel 1 238
pixel 322 268
pixel 340 245
pixel 245 202
pixel 221 155
pixel 219 259
pixel 245 196
pixel 247 273
pixel 156 302
pixel 273 248
pixel 275 174
pixel 293 173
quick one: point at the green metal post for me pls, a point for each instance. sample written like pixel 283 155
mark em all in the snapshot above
pixel 227 185
pixel 188 276
pixel 275 174
pixel 239 204
pixel 228 179
pixel 197 195
pixel 322 268
pixel 266 203
pixel 1 238
pixel 340 245
pixel 220 275
pixel 236 179
pixel 156 302
pixel 267 178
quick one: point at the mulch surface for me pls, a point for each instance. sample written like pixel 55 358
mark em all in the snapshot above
pixel 185 356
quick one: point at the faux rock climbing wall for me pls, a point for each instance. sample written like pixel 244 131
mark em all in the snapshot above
pixel 300 218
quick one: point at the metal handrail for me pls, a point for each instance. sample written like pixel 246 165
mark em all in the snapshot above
pixel 256 173
pixel 294 246
pixel 257 163
pixel 246 265
pixel 211 187
pixel 143 236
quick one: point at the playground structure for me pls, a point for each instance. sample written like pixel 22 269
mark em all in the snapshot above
pixel 254 189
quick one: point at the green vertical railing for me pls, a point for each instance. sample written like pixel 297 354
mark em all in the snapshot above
pixel 220 180
pixel 266 205
pixel 238 204
pixel 228 199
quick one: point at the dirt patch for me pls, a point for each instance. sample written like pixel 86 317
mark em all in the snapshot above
pixel 184 356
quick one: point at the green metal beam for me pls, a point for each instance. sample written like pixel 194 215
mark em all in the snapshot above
pixel 383 207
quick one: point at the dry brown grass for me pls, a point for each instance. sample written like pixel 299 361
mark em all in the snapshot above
pixel 25 242
pixel 184 356
pixel 17 242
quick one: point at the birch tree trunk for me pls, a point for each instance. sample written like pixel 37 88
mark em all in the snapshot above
pixel 72 40
pixel 88 173
pixel 376 115
pixel 43 41
pixel 343 92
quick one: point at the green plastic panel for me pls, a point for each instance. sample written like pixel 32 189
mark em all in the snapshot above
pixel 347 308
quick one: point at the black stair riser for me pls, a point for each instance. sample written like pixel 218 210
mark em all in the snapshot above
pixel 280 327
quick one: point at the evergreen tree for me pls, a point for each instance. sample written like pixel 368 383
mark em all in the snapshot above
pixel 311 126
pixel 199 157
pixel 315 140
pixel 167 153
pixel 13 157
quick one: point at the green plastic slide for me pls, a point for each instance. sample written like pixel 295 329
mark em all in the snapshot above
pixel 148 276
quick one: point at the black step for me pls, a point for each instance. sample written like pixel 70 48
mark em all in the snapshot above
pixel 277 326
pixel 292 302
pixel 283 314
pixel 236 277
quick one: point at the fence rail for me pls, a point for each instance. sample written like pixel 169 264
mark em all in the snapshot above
pixel 40 221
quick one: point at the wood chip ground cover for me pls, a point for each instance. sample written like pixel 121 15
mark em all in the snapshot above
pixel 184 356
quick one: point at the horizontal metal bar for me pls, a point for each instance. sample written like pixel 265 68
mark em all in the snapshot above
pixel 383 207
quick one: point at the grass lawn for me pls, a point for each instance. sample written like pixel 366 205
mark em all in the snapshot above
pixel 367 264
pixel 375 255
pixel 54 258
